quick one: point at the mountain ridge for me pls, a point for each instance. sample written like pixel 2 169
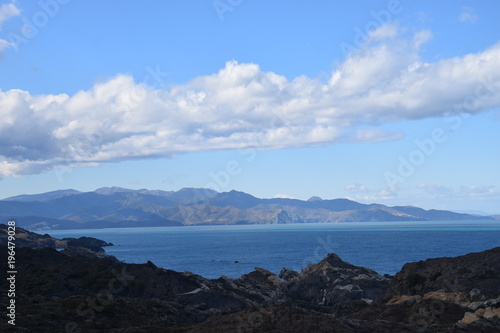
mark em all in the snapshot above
pixel 121 207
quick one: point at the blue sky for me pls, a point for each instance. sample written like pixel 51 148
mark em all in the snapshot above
pixel 395 102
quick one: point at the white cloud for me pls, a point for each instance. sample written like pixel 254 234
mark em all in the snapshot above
pixel 478 191
pixel 374 135
pixel 7 11
pixel 242 106
pixel 468 14
pixel 385 31
pixel 435 190
pixel 421 37
pixel 5 44
pixel 356 188
pixel 359 192
pixel 429 196
pixel 284 196
pixel 464 192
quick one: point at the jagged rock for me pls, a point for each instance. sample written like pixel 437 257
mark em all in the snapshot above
pixel 289 317
pixel 333 281
pixel 406 300
pixel 469 318
pixel 477 274
pixel 288 274
pixel 80 286
pixel 490 313
pixel 480 312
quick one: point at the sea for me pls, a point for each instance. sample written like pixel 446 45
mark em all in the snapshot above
pixel 234 250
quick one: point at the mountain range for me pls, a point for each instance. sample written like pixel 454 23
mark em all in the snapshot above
pixel 119 207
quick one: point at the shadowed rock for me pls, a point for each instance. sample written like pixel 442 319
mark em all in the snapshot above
pixel 83 288
pixel 333 281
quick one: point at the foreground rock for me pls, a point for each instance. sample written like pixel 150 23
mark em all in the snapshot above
pixel 333 282
pixel 74 291
pixel 463 291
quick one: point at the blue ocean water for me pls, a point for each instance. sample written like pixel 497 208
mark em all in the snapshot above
pixel 212 251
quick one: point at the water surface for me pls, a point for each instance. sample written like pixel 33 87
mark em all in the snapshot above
pixel 212 251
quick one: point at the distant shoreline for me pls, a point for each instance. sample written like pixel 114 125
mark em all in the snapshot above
pixel 208 225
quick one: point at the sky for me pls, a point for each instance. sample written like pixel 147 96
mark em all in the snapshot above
pixel 394 102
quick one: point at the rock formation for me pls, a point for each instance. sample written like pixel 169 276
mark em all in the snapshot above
pixel 79 290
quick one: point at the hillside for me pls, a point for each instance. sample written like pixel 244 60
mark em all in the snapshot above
pixel 119 207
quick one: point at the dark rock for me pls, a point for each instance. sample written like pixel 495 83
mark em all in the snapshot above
pixel 289 317
pixel 474 271
pixel 91 292
pixel 88 252
pixel 25 238
pixel 333 281
pixel 150 264
pixel 88 242
pixel 288 274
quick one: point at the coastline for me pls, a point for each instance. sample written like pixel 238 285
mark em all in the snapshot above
pixel 325 295
pixel 211 251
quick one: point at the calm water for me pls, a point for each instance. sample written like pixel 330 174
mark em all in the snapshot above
pixel 212 251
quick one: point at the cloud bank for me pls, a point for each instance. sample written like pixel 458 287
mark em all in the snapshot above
pixel 424 195
pixel 243 107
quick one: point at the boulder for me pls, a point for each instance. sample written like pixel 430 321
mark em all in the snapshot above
pixel 333 281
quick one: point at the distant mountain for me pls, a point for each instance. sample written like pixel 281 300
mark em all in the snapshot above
pixel 113 190
pixel 473 212
pixel 44 197
pixel 120 207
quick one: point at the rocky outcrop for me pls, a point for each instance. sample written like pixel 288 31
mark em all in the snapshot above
pixel 477 274
pixel 76 290
pixel 25 238
pixel 461 292
pixel 88 242
pixel 86 246
pixel 333 281
pixel 289 317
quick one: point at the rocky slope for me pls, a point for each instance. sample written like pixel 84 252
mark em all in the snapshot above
pixel 71 292
pixel 87 246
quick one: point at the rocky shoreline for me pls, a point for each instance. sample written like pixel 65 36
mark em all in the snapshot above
pixel 82 289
